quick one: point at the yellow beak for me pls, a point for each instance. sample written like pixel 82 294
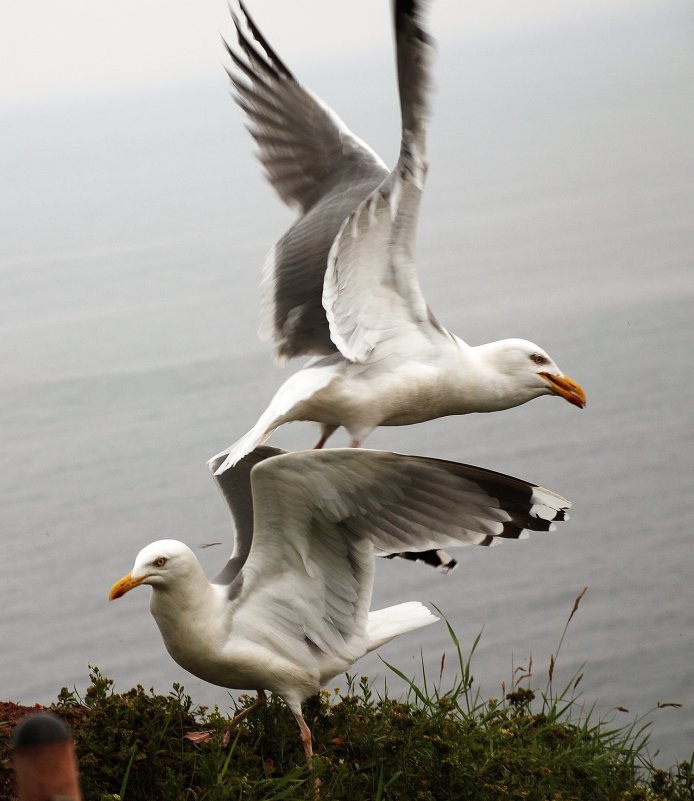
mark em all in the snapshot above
pixel 124 585
pixel 568 389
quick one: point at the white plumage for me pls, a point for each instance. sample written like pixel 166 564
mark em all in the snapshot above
pixel 290 610
pixel 341 285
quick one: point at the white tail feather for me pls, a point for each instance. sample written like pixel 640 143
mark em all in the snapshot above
pixel 295 390
pixel 384 624
pixel 248 442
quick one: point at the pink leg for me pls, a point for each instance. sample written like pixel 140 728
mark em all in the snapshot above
pixel 326 432
pixel 204 736
pixel 355 444
pixel 307 743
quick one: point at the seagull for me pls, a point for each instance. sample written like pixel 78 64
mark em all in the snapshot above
pixel 290 609
pixel 341 285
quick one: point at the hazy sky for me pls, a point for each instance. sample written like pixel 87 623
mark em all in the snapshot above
pixel 51 52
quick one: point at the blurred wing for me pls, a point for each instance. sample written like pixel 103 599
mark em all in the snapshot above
pixel 316 164
pixel 304 146
pixel 307 581
pixel 235 487
pixel 371 291
pixel 321 515
pixel 416 503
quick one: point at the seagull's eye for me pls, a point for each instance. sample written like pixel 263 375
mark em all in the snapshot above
pixel 538 358
pixel 160 561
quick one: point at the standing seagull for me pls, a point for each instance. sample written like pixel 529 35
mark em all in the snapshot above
pixel 341 285
pixel 290 609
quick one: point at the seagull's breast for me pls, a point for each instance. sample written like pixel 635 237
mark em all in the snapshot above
pixel 205 647
pixel 215 640
pixel 193 627
pixel 413 394
pixel 366 396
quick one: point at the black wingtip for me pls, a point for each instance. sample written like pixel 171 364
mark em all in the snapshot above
pixel 435 558
pixel 408 14
pixel 405 8
pixel 262 41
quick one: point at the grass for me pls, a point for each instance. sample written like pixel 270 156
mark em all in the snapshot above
pixel 434 745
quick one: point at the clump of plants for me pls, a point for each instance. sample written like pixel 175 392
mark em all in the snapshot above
pixel 435 745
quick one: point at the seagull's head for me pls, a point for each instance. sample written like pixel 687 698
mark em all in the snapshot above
pixel 159 564
pixel 532 372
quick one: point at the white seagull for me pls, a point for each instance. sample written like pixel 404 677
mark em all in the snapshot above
pixel 290 609
pixel 341 285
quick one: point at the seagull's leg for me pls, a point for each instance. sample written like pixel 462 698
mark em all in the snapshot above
pixel 261 700
pixel 325 432
pixel 355 444
pixel 306 742
pixel 204 736
pixel 306 738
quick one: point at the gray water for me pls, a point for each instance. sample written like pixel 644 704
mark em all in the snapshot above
pixel 559 208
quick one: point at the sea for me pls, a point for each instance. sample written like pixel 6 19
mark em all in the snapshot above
pixel 559 207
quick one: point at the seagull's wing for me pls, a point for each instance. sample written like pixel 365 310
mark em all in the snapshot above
pixel 371 291
pixel 416 503
pixel 321 515
pixel 315 164
pixel 235 488
pixel 305 148
pixel 307 582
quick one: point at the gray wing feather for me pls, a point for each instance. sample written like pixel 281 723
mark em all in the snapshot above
pixel 315 164
pixel 416 503
pixel 371 291
pixel 292 281
pixel 321 515
pixel 304 146
pixel 235 487
pixel 305 561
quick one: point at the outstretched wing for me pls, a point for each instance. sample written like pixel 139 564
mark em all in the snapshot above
pixel 315 164
pixel 305 148
pixel 416 503
pixel 371 291
pixel 321 515
pixel 307 581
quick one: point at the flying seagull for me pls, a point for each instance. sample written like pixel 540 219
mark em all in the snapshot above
pixel 290 609
pixel 341 285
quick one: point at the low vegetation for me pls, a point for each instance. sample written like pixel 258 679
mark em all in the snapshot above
pixel 434 746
